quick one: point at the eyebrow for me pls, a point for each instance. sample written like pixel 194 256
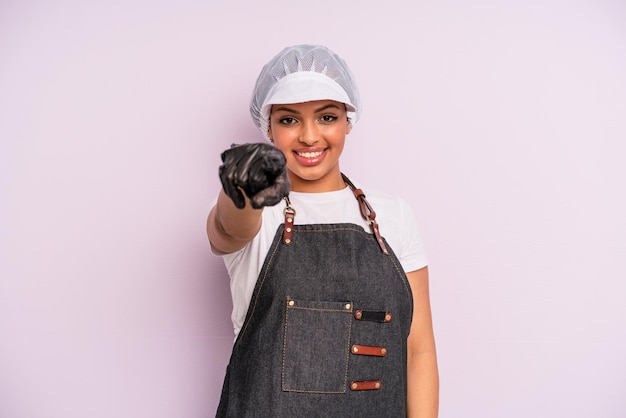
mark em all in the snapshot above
pixel 321 109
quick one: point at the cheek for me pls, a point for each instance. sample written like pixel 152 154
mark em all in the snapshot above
pixel 338 135
pixel 282 144
pixel 277 136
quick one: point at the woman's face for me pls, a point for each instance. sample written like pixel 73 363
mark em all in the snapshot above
pixel 312 136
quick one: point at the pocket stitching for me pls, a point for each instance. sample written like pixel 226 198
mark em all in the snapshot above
pixel 347 352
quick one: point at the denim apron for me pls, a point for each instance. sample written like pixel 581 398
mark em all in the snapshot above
pixel 325 333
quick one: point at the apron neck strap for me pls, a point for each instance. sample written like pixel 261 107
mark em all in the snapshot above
pixel 367 212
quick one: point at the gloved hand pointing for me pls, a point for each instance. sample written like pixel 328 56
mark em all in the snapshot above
pixel 259 170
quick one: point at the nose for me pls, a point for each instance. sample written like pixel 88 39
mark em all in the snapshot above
pixel 310 133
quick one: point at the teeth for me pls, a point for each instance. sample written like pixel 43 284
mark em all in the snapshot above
pixel 310 154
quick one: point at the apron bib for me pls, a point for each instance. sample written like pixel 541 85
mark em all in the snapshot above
pixel 325 333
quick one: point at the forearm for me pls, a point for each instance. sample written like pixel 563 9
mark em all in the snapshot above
pixel 422 385
pixel 229 229
pixel 422 373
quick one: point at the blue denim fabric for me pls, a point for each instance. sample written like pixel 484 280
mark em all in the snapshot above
pixel 292 356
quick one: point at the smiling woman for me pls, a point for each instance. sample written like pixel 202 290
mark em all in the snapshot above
pixel 312 136
pixel 332 315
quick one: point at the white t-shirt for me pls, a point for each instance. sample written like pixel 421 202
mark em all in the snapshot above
pixel 394 216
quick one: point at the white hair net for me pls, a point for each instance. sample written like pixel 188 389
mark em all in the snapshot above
pixel 303 73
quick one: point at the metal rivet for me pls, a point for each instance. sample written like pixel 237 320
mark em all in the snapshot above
pixel 287 241
pixel 354 386
pixel 288 229
pixel 377 385
pixel 290 220
pixel 291 303
pixel 355 349
pixel 348 306
pixel 383 351
pixel 358 314
pixel 388 318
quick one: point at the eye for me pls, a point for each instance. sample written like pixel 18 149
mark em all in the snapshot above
pixel 287 121
pixel 328 118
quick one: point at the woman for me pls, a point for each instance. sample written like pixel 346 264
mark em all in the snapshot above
pixel 331 311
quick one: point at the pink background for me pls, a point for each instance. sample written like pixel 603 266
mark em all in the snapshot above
pixel 503 123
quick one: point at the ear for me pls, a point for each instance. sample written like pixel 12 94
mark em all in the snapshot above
pixel 348 127
pixel 269 134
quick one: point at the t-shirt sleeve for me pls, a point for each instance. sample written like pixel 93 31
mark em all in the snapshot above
pixel 412 253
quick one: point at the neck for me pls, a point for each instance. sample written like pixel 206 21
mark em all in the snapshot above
pixel 328 183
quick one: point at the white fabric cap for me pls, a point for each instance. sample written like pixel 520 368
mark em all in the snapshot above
pixel 303 73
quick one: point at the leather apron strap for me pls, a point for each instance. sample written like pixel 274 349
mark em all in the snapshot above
pixel 367 212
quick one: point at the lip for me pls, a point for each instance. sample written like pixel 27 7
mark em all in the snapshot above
pixel 310 156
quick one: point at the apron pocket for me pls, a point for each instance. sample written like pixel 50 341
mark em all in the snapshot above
pixel 316 346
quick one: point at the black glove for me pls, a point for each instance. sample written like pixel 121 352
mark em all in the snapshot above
pixel 257 169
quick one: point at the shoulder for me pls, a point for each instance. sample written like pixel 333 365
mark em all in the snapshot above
pixel 388 206
pixel 398 224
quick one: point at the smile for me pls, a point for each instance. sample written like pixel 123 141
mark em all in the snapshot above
pixel 309 155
